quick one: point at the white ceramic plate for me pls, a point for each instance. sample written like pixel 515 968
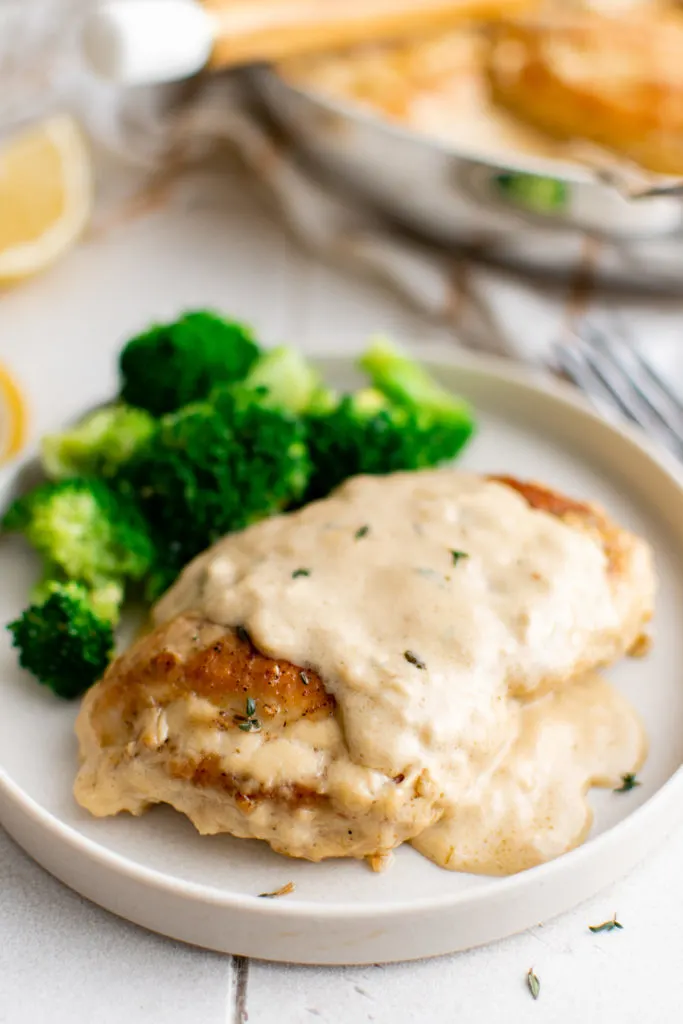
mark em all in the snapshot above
pixel 158 872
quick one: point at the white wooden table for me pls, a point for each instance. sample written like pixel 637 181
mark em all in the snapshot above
pixel 65 961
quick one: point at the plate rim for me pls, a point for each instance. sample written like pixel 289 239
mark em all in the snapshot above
pixel 489 368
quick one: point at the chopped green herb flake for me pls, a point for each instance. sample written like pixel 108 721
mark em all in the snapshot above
pixel 606 926
pixel 457 555
pixel 251 724
pixel 628 782
pixel 251 706
pixel 304 678
pixel 362 531
pixel 414 659
pixel 300 572
pixel 533 983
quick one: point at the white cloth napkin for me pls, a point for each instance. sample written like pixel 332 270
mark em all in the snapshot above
pixel 155 129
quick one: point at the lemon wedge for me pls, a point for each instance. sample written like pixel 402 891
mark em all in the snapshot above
pixel 12 416
pixel 45 195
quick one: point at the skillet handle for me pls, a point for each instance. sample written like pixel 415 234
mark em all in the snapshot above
pixel 163 40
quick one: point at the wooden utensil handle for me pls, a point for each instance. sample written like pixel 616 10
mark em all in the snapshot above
pixel 266 30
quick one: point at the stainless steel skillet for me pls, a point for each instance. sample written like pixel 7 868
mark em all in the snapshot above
pixel 533 212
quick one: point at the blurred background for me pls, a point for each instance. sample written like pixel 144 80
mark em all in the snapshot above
pixel 510 169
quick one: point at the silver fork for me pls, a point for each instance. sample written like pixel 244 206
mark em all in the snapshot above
pixel 620 383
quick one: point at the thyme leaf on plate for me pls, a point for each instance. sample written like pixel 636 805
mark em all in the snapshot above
pixel 284 890
pixel 362 531
pixel 457 555
pixel 606 926
pixel 414 659
pixel 533 983
pixel 251 707
pixel 300 572
pixel 628 782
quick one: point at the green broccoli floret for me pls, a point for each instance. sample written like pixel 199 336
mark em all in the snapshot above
pixel 367 433
pixel 214 467
pixel 91 533
pixel 288 378
pixel 407 383
pixel 174 364
pixel 406 421
pixel 97 445
pixel 63 642
pixel 105 600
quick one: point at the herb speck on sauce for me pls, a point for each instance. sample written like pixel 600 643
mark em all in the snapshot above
pixel 304 677
pixel 414 659
pixel 362 531
pixel 300 572
pixel 248 723
pixel 628 782
pixel 457 555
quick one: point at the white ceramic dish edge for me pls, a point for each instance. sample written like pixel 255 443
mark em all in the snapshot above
pixel 305 932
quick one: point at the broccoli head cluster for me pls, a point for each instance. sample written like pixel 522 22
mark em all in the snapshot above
pixel 174 364
pixel 209 435
pixel 63 642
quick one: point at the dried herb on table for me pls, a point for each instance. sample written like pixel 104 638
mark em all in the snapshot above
pixel 606 926
pixel 533 983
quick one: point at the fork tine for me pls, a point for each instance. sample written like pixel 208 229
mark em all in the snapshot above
pixel 571 360
pixel 643 380
pixel 658 382
pixel 621 385
pixel 610 388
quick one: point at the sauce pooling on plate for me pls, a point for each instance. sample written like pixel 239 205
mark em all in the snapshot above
pixel 438 608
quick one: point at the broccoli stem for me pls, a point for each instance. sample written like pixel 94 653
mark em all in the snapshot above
pixel 404 381
pixel 288 377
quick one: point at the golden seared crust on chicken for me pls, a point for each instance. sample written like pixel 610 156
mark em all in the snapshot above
pixel 614 81
pixel 193 715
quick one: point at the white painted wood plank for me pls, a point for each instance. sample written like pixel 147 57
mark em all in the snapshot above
pixel 65 961
pixel 630 976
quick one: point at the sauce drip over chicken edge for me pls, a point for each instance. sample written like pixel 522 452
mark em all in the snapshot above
pixel 455 626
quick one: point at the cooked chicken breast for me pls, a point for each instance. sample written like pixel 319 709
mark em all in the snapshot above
pixel 614 81
pixel 169 724
pixel 351 760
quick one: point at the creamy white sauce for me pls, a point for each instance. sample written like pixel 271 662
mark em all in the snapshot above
pixel 532 805
pixel 529 606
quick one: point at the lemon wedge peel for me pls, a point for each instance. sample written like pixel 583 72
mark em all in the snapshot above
pixel 13 416
pixel 60 142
